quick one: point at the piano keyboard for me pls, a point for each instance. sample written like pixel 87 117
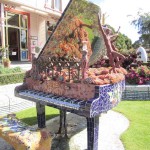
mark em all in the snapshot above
pixel 53 99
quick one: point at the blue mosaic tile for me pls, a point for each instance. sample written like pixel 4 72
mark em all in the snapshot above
pixel 109 96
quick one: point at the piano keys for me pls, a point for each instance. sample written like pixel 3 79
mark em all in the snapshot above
pixel 106 97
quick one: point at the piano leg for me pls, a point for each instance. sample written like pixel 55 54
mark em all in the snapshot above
pixel 40 115
pixel 63 126
pixel 92 132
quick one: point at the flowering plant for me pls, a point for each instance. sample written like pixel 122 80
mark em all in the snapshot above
pixel 140 75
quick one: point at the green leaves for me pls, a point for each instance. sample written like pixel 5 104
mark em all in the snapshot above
pixel 143 25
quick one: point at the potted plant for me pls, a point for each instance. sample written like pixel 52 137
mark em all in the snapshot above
pixel 51 27
pixel 2 49
pixel 5 56
pixel 6 62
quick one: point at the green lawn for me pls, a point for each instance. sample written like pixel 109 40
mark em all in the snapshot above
pixel 29 115
pixel 137 137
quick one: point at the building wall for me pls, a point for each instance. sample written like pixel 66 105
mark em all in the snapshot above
pixel 41 31
pixel 34 24
pixel 39 15
pixel 38 28
pixel 43 5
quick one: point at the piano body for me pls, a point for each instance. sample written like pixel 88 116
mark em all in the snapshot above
pixel 60 78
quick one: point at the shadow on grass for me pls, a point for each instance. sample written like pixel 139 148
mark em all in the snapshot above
pixel 33 120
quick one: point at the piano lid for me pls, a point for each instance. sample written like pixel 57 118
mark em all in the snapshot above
pixel 78 23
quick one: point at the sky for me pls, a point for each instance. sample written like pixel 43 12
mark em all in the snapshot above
pixel 121 13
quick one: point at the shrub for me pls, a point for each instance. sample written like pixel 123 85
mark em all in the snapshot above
pixel 140 75
pixel 9 70
pixel 11 78
pixel 11 75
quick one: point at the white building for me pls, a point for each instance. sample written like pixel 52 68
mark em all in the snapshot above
pixel 26 24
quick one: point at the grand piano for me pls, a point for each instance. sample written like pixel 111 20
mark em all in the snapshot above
pixel 63 76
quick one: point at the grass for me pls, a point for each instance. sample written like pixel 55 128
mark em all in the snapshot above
pixel 29 115
pixel 137 137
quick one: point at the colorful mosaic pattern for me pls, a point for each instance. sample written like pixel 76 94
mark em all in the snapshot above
pixel 109 97
pixel 23 137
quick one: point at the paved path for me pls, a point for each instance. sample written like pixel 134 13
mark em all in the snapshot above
pixel 9 103
pixel 23 65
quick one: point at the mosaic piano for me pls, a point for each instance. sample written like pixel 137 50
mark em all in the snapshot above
pixel 66 74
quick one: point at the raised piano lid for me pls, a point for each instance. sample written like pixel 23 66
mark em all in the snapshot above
pixel 78 23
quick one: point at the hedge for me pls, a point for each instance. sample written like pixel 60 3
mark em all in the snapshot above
pixel 10 70
pixel 11 78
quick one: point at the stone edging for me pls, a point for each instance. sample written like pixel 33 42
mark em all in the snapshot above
pixel 136 92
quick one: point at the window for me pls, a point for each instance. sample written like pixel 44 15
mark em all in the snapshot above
pixel 0 37
pixel 13 19
pixel 53 4
pixel 0 10
pixel 48 3
pixel 24 21
pixel 57 4
pixel 24 39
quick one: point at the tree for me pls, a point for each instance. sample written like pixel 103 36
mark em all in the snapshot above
pixel 123 42
pixel 143 25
